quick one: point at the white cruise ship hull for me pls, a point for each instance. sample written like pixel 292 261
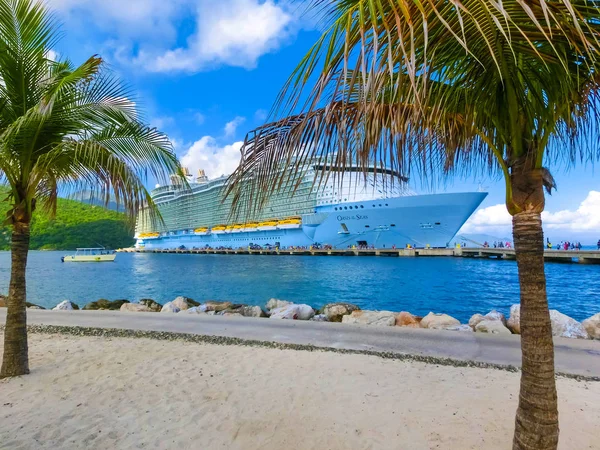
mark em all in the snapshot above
pixel 417 220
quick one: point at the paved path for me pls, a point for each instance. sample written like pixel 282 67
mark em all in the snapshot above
pixel 574 356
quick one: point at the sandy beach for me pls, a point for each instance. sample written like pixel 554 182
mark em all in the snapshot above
pixel 99 393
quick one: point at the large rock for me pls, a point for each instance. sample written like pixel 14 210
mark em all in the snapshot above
pixel 320 318
pixel 33 306
pixel 169 308
pixel 194 310
pixel 295 312
pixel 113 305
pixel 492 315
pixel 462 328
pixel 217 306
pixel 438 321
pixel 275 303
pixel 134 307
pixel 475 319
pixel 250 311
pixel 383 318
pixel 565 326
pixel 514 319
pixel 65 305
pixel 153 305
pixel 492 327
pixel 406 319
pixel 592 326
pixel 335 311
pixel 182 302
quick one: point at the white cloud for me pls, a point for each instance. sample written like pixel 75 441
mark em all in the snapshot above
pixel 260 115
pixel 162 122
pixel 495 220
pixel 231 126
pixel 199 118
pixel 214 159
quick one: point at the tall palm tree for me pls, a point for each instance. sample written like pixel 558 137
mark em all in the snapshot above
pixel 61 127
pixel 443 87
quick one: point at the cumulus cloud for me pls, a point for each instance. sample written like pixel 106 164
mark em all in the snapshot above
pixel 496 220
pixel 216 160
pixel 231 126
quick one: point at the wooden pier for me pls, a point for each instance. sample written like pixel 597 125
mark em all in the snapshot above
pixel 565 256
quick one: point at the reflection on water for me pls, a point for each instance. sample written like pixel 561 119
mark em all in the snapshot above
pixel 457 286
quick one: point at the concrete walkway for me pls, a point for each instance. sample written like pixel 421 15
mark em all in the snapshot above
pixel 573 356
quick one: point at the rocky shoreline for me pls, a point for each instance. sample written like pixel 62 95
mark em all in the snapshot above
pixel 493 322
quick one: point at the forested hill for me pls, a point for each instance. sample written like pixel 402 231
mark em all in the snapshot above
pixel 75 225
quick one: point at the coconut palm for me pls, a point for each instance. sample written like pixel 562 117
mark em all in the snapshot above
pixel 439 88
pixel 62 128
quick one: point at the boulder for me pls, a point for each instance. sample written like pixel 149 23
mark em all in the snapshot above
pixel 113 305
pixel 295 312
pixel 319 318
pixel 154 306
pixel 335 311
pixel 475 319
pixel 33 306
pixel 495 315
pixel 383 318
pixel 275 303
pixel 230 313
pixel 250 311
pixel 406 319
pixel 438 321
pixel 183 303
pixel 217 306
pixel 134 307
pixel 65 305
pixel 492 327
pixel 194 310
pixel 169 308
pixel 514 319
pixel 592 326
pixel 565 326
pixel 463 328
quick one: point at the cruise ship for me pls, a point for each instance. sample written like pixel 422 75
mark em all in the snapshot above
pixel 357 210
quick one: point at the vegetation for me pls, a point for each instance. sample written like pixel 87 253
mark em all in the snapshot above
pixel 75 225
pixel 441 88
pixel 62 128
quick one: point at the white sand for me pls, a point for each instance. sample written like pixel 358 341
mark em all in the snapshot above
pixel 98 393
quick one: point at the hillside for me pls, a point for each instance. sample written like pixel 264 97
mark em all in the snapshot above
pixel 75 225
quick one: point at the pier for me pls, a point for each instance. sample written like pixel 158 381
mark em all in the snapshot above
pixel 563 256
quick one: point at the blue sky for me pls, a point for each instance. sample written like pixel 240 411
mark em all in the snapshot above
pixel 207 71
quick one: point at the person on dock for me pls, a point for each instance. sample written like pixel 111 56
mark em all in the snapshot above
pixel 598 244
pixel 548 243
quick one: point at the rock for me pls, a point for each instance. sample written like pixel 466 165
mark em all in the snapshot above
pixel 217 306
pixel 492 327
pixel 33 306
pixel 194 310
pixel 169 308
pixel 319 318
pixel 3 300
pixel 592 326
pixel 475 319
pixel 230 313
pixel 295 312
pixel 113 305
pixel 383 318
pixel 184 303
pixel 406 319
pixel 154 306
pixel 463 328
pixel 514 319
pixel 275 303
pixel 565 326
pixel 134 307
pixel 495 315
pixel 438 321
pixel 65 305
pixel 335 311
pixel 250 311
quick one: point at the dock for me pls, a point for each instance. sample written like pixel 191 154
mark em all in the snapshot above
pixel 564 256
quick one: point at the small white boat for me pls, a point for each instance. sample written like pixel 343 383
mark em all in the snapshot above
pixel 99 254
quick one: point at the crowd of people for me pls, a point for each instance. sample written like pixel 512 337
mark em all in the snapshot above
pixel 566 245
pixel 498 244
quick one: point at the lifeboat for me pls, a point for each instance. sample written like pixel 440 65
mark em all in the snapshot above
pixel 151 235
pixel 202 231
pixel 289 223
pixel 250 227
pixel 218 229
pixel 267 225
pixel 237 228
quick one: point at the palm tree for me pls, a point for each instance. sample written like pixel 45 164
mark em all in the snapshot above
pixel 61 128
pixel 445 87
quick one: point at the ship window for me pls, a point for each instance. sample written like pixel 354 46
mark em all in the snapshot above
pixel 367 226
pixel 438 223
pixel 386 204
pixel 350 207
pixel 336 208
pixel 345 207
pixel 362 206
pixel 392 225
pixel 380 204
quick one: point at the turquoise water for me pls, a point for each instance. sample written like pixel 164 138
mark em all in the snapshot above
pixel 457 286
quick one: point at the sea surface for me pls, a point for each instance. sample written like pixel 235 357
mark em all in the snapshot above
pixel 456 286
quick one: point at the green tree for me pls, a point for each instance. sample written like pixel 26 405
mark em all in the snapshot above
pixel 61 127
pixel 440 87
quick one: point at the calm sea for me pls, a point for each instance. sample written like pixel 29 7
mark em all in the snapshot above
pixel 457 286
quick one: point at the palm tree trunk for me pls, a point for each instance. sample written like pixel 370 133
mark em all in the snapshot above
pixel 536 424
pixel 16 360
